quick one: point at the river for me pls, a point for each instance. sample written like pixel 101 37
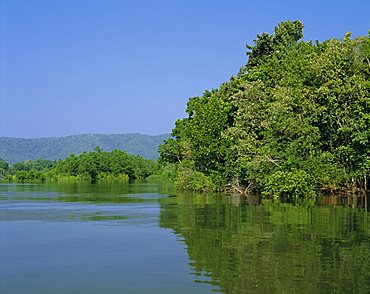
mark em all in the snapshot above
pixel 139 238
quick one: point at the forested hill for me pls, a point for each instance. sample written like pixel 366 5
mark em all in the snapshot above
pixel 20 149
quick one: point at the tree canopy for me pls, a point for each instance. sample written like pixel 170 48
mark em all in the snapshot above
pixel 4 167
pixel 89 166
pixel 294 121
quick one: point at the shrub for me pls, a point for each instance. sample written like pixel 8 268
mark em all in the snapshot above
pixel 289 184
pixel 190 180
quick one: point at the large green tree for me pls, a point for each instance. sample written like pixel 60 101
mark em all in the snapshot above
pixel 294 120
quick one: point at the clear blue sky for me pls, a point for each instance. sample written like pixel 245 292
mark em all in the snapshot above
pixel 116 66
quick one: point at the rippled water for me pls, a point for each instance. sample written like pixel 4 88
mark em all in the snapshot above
pixel 133 239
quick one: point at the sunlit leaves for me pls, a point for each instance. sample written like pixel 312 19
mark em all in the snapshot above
pixel 295 109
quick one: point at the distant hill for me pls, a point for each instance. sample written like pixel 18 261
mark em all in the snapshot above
pixel 19 149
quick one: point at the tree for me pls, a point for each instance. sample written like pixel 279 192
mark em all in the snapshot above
pixel 4 167
pixel 296 110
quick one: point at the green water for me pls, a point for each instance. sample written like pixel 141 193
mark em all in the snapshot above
pixel 133 238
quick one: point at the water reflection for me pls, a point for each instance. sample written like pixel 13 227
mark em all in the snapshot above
pixel 212 243
pixel 353 200
pixel 248 245
pixel 88 239
pixel 112 203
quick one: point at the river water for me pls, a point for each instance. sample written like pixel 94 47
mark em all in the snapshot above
pixel 138 238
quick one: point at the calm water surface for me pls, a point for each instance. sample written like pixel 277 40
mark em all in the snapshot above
pixel 131 238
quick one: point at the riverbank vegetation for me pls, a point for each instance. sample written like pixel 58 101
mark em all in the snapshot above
pixel 295 121
pixel 94 166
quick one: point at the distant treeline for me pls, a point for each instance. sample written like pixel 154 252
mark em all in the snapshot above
pixel 97 165
pixel 293 122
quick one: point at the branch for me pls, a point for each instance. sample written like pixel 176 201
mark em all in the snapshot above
pixel 274 161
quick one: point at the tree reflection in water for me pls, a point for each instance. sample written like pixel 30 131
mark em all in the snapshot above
pixel 257 246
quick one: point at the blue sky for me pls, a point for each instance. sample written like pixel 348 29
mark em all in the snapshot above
pixel 115 66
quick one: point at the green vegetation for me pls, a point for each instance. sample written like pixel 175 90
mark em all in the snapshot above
pixel 23 176
pixel 37 165
pixel 15 150
pixel 94 166
pixel 294 121
pixel 27 171
pixel 4 167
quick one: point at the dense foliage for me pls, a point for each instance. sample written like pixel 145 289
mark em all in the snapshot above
pixel 296 119
pixel 92 166
pixel 4 167
pixel 18 149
